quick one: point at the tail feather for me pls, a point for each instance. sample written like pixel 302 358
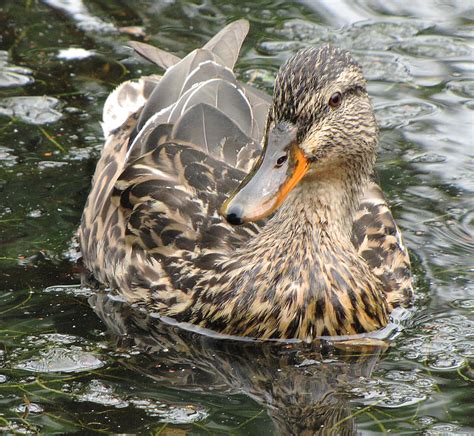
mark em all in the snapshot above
pixel 227 43
pixel 159 57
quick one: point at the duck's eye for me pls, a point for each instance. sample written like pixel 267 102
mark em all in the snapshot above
pixel 281 160
pixel 335 100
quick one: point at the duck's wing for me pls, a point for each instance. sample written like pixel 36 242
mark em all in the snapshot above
pixel 204 76
pixel 379 241
pixel 222 50
pixel 198 100
pixel 185 142
pixel 171 197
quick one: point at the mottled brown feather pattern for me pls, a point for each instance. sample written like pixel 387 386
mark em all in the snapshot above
pixel 329 262
pixel 379 241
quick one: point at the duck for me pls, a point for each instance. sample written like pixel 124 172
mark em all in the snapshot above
pixel 217 206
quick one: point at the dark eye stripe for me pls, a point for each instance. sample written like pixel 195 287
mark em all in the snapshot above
pixel 354 89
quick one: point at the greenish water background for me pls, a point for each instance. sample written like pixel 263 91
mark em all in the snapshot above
pixel 61 370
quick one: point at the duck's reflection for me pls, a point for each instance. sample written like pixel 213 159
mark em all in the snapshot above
pixel 304 388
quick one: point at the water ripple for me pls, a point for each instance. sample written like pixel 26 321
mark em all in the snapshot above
pixel 12 75
pixel 380 35
pixel 441 344
pixel 7 158
pixel 384 66
pixel 77 10
pixel 463 88
pixel 392 115
pixel 99 393
pixel 438 47
pixel 395 390
pixel 72 359
pixel 32 109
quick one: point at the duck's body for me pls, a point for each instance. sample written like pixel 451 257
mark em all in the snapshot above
pixel 330 261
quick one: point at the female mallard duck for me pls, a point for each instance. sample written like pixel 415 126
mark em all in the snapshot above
pixel 317 252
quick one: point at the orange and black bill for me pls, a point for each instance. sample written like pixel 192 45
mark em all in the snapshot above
pixel 281 166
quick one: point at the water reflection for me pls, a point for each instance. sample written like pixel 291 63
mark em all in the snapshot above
pixel 303 387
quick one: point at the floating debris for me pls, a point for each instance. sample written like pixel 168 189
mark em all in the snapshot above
pixel 47 164
pixel 136 31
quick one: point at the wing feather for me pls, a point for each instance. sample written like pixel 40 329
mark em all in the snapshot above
pixel 227 43
pixel 153 54
pixel 171 197
pixel 176 146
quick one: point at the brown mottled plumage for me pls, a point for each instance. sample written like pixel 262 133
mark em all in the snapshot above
pixel 329 261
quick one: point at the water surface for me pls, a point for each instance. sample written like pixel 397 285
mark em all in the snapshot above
pixel 64 370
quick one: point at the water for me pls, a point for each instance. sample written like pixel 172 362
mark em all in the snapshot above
pixel 64 370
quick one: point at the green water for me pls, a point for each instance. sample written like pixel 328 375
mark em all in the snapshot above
pixel 63 370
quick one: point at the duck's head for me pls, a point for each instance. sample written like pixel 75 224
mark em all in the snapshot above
pixel 321 124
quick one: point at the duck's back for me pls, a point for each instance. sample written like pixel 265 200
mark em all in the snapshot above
pixel 175 147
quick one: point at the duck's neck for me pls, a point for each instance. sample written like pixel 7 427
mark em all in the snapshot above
pixel 323 210
pixel 301 276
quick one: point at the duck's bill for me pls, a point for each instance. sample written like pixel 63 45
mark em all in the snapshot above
pixel 277 172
